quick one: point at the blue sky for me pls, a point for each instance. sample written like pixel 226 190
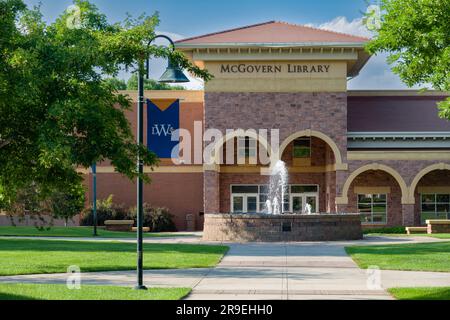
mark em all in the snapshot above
pixel 185 18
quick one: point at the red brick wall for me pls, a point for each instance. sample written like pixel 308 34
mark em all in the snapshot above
pixel 378 179
pixel 181 193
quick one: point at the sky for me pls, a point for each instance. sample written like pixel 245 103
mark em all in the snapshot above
pixel 186 18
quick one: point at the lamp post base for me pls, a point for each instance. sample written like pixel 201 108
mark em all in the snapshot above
pixel 141 287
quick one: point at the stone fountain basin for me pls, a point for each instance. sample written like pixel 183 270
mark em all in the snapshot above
pixel 286 227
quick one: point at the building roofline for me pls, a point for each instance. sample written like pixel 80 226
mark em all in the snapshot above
pixel 271 45
pixel 181 44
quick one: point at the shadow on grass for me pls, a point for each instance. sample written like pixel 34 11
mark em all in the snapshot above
pixel 10 296
pixel 86 246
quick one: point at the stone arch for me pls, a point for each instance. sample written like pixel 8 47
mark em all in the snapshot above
pixel 215 152
pixel 374 166
pixel 421 174
pixel 312 133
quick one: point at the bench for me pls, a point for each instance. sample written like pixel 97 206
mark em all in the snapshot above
pixel 438 226
pixel 119 225
pixel 144 229
pixel 415 230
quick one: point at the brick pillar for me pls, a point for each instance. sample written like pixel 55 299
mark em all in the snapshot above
pixel 211 191
pixel 408 215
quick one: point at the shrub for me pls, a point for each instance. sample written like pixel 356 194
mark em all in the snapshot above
pixel 393 230
pixel 157 219
pixel 106 210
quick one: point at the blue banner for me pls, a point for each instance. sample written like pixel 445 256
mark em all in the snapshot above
pixel 163 117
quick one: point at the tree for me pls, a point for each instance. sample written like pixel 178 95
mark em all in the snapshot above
pixel 56 112
pixel 115 83
pixel 416 33
pixel 150 84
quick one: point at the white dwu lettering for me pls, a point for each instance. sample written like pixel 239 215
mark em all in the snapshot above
pixel 162 129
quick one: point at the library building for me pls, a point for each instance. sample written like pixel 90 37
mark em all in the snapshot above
pixel 382 154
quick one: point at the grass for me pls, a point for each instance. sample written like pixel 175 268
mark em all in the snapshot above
pixel 85 232
pixel 431 293
pixel 30 256
pixel 417 257
pixel 434 235
pixel 20 291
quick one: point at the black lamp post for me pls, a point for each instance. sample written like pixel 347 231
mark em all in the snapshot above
pixel 173 74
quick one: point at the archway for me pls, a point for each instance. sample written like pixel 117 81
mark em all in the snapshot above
pixel 339 165
pixel 374 166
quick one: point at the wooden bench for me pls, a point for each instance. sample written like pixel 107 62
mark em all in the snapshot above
pixel 144 229
pixel 119 225
pixel 438 226
pixel 415 230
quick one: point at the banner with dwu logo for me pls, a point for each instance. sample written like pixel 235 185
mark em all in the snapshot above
pixel 163 117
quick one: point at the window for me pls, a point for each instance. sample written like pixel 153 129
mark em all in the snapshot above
pixel 252 198
pixel 434 206
pixel 246 147
pixel 372 207
pixel 302 148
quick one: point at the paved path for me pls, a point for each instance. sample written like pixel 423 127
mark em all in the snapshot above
pixel 270 271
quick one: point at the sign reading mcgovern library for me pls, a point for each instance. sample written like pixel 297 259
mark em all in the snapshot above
pixel 277 76
pixel 274 68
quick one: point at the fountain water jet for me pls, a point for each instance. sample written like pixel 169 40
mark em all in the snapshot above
pixel 277 188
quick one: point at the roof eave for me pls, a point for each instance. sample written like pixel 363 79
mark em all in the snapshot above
pixel 181 45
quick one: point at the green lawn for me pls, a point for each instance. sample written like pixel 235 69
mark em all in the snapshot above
pixel 418 256
pixel 76 232
pixel 20 291
pixel 434 235
pixel 31 256
pixel 437 293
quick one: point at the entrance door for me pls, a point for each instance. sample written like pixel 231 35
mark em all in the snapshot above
pixel 298 202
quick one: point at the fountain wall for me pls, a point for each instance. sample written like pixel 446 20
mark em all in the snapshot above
pixel 286 227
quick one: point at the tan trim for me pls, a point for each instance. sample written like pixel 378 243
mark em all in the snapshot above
pixel 384 93
pixel 437 189
pixel 301 162
pixel 277 85
pixel 371 190
pixel 183 95
pixel 374 166
pixel 398 155
pixel 162 169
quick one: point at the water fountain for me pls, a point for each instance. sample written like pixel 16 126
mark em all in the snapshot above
pixel 275 224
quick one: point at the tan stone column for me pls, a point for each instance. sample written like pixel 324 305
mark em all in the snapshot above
pixel 408 215
pixel 211 191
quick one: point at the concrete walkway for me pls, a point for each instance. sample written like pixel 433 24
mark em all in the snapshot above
pixel 270 271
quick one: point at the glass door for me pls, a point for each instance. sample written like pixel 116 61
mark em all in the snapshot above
pixel 238 204
pixel 312 201
pixel 299 201
pixel 296 203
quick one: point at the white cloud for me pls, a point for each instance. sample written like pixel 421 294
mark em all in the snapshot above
pixel 341 24
pixel 376 74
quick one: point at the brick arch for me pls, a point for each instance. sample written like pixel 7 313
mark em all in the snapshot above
pixel 421 174
pixel 215 152
pixel 312 133
pixel 374 166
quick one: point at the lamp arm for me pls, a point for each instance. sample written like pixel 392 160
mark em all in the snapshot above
pixel 147 61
